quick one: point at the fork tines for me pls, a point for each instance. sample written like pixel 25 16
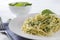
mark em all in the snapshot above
pixel 1 25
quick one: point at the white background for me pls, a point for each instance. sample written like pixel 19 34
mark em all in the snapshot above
pixel 37 6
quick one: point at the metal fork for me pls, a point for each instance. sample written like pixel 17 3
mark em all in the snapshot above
pixel 3 29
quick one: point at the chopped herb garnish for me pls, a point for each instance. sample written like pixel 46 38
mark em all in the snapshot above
pixel 56 18
pixel 46 29
pixel 31 23
pixel 57 21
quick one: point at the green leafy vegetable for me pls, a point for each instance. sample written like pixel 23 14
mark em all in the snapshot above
pixel 11 4
pixel 20 4
pixel 47 12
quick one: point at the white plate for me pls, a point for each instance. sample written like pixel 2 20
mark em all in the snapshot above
pixel 16 24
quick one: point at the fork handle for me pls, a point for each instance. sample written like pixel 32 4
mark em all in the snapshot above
pixel 5 33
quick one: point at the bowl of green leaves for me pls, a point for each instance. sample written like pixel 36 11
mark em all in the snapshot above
pixel 20 8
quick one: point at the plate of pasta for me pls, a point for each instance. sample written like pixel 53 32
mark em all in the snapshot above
pixel 44 26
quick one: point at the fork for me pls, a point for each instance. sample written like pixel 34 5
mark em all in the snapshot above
pixel 3 29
